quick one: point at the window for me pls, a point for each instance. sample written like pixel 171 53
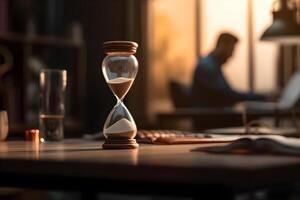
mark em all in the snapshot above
pixel 172 48
pixel 265 53
pixel 173 36
pixel 230 15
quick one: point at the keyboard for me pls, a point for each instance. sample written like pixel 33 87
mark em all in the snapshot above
pixel 156 136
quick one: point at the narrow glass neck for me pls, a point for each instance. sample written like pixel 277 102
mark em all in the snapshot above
pixel 119 101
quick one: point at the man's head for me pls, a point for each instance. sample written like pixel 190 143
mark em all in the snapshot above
pixel 225 46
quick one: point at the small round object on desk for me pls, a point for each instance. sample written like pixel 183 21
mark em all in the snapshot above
pixel 32 135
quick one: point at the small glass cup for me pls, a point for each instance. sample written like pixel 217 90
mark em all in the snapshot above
pixel 53 84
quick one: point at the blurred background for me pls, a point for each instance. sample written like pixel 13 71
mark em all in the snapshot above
pixel 172 34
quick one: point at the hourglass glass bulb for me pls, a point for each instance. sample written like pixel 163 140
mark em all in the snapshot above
pixel 120 86
pixel 119 124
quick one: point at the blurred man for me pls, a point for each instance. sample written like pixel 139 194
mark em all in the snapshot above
pixel 210 88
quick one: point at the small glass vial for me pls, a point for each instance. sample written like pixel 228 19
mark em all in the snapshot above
pixel 119 68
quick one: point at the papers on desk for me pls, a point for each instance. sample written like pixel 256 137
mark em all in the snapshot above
pixel 277 145
pixel 261 130
pixel 187 140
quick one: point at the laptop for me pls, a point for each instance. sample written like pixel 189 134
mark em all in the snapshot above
pixel 287 100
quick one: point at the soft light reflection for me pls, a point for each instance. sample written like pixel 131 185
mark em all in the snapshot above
pixel 64 76
pixel 3 146
pixel 42 79
pixel 133 156
pixel 36 149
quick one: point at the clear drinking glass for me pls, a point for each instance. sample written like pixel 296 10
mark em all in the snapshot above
pixel 53 84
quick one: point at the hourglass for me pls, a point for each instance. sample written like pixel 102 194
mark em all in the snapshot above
pixel 119 68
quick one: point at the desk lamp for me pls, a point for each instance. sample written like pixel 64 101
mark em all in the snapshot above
pixel 284 28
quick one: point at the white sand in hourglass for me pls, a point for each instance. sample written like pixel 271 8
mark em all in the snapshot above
pixel 121 129
pixel 120 86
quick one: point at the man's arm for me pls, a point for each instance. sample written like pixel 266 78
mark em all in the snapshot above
pixel 214 85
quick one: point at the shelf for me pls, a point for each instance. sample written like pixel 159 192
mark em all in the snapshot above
pixel 38 39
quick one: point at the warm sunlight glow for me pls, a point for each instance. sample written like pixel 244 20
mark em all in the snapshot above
pixel 265 52
pixel 229 15
pixel 172 47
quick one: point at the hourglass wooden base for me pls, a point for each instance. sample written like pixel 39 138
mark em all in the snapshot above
pixel 120 144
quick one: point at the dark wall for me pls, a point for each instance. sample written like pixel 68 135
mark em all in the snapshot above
pixel 102 20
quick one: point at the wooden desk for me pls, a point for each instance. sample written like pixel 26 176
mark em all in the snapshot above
pixel 151 169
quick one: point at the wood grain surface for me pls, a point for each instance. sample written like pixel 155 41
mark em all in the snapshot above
pixel 163 164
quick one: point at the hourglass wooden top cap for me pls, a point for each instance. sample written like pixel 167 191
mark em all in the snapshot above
pixel 120 46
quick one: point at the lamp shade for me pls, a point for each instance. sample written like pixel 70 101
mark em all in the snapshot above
pixel 284 28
